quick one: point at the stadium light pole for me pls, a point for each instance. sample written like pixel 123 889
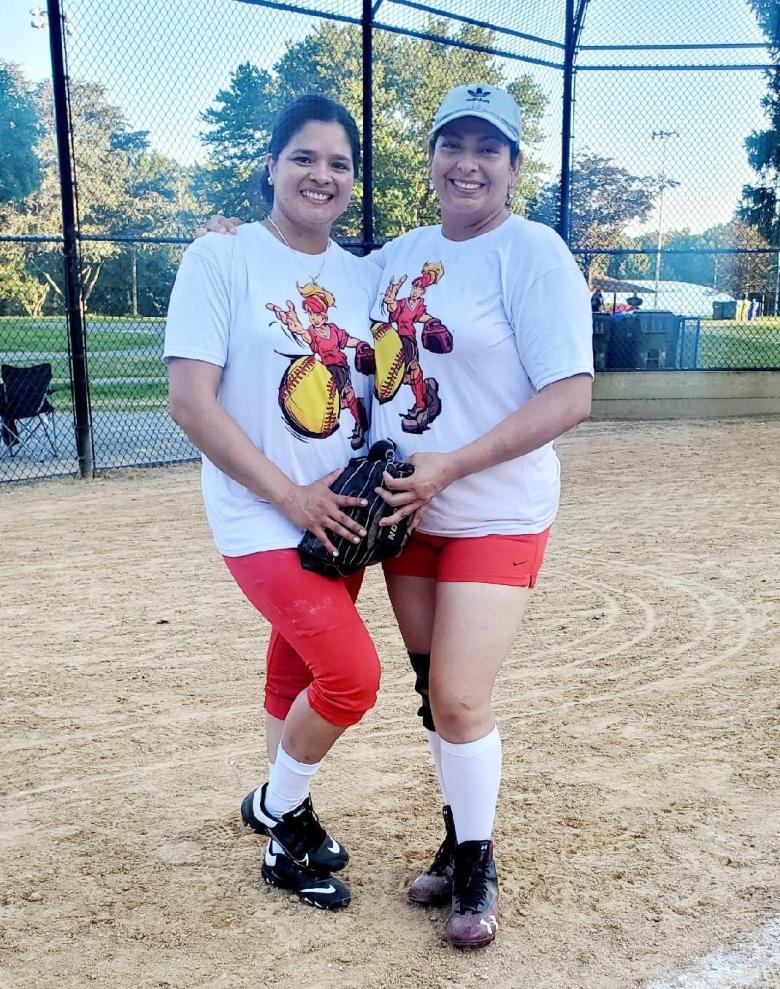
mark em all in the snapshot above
pixel 663 136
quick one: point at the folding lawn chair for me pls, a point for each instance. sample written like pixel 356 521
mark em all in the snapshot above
pixel 25 406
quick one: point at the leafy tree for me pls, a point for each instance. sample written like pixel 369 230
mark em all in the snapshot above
pixel 761 202
pixel 19 169
pixel 239 131
pixel 20 292
pixel 698 268
pixel 741 274
pixel 138 280
pixel 410 78
pixel 736 274
pixel 123 188
pixel 605 199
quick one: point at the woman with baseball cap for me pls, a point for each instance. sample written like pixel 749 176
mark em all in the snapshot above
pixel 506 326
pixel 515 374
pixel 260 383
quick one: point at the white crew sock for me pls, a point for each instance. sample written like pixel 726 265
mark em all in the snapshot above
pixel 434 743
pixel 288 785
pixel 471 772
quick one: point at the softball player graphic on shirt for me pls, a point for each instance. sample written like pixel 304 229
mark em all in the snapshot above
pixel 397 355
pixel 315 389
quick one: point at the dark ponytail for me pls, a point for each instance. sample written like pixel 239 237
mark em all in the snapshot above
pixel 294 117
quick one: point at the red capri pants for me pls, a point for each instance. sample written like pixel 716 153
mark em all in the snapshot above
pixel 318 641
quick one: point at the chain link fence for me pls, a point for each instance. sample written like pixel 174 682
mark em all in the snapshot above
pixel 635 123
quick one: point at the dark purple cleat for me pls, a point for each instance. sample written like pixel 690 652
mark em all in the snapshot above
pixel 434 886
pixel 473 921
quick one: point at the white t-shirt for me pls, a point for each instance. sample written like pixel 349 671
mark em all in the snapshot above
pixel 518 310
pixel 286 378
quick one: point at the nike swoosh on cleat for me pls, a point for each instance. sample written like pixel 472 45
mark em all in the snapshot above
pixel 319 889
pixel 334 846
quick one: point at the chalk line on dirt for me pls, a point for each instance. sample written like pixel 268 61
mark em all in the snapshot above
pixel 754 958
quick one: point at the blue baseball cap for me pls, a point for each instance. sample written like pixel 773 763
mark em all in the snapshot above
pixel 481 100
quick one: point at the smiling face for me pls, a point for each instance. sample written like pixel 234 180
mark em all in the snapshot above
pixel 471 169
pixel 313 176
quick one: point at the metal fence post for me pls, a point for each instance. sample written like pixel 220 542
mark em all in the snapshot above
pixel 73 295
pixel 564 221
pixel 368 126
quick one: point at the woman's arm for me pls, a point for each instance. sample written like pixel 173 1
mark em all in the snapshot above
pixel 549 414
pixel 193 390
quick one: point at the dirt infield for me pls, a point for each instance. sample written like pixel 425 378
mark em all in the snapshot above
pixel 638 828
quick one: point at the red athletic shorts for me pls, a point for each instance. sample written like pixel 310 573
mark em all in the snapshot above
pixel 510 560
pixel 318 640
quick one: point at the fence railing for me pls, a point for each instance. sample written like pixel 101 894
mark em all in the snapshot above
pixel 141 149
pixel 637 326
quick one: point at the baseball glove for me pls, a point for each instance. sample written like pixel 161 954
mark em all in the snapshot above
pixel 436 338
pixel 365 360
pixel 358 480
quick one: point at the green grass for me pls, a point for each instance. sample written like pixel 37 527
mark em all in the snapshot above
pixel 722 344
pixel 101 366
pixel 21 335
pixel 120 396
pixel 46 338
pixel 728 344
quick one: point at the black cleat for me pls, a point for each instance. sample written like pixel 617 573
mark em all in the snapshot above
pixel 299 833
pixel 432 400
pixel 473 921
pixel 324 892
pixel 434 886
pixel 358 437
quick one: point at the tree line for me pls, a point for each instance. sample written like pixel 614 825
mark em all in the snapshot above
pixel 128 189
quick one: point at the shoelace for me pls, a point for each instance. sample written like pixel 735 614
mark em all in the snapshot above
pixel 309 834
pixel 442 860
pixel 471 889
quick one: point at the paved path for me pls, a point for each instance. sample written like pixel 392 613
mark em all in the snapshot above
pixel 122 439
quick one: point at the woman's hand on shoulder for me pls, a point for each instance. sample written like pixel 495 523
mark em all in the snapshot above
pixel 316 508
pixel 218 224
pixel 409 495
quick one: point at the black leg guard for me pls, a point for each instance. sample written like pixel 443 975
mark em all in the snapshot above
pixel 421 664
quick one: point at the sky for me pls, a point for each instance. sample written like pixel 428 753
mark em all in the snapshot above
pixel 164 63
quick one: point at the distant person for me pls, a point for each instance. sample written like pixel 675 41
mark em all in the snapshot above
pixel 597 301
pixel 753 309
pixel 634 303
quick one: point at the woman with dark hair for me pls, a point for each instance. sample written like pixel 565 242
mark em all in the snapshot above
pixel 270 404
pixel 506 326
